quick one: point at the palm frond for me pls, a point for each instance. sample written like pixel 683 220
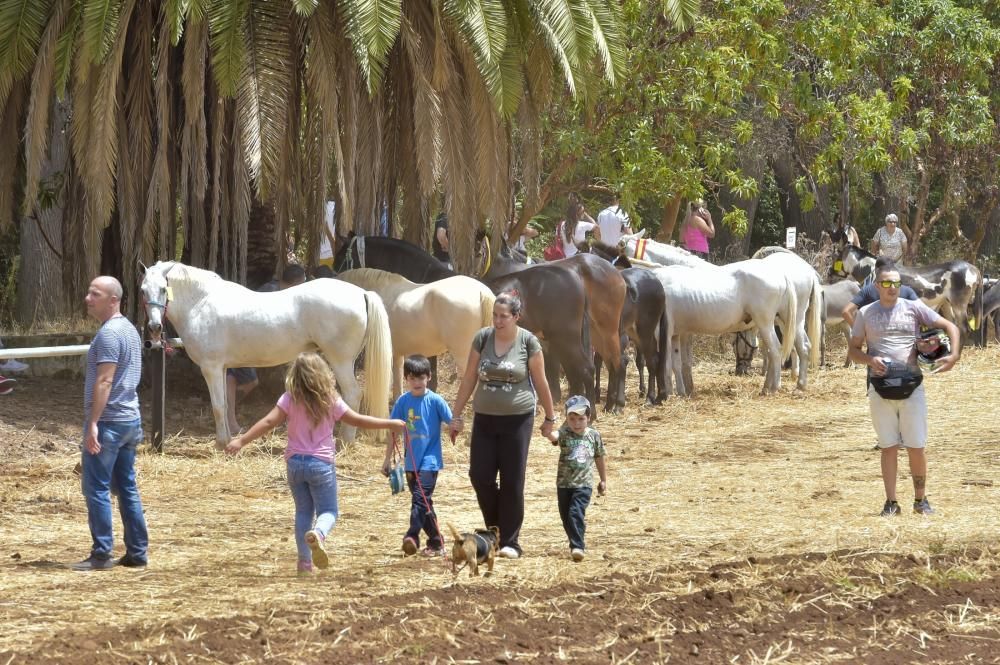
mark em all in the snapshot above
pixel 483 25
pixel 36 131
pixel 65 49
pixel 305 7
pixel 159 201
pixel 417 36
pixel 10 124
pixel 682 13
pixel 100 156
pixel 227 25
pixel 606 35
pixel 372 26
pixel 555 26
pixel 263 91
pixel 21 26
pixel 101 19
pixel 194 141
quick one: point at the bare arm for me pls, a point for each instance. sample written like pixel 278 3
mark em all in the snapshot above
pixel 536 366
pixel 855 353
pixel 530 232
pixel 602 473
pixel 703 225
pixel 955 337
pixel 274 418
pixel 442 238
pixel 469 381
pixel 102 391
pixel 352 417
pixel 849 313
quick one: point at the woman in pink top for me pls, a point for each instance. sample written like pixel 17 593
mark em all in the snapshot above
pixel 697 229
pixel 311 407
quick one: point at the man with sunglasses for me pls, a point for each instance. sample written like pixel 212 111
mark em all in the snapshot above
pixel 890 327
pixel 869 293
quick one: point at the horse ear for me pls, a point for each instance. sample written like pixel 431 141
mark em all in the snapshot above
pixel 143 266
pixel 639 234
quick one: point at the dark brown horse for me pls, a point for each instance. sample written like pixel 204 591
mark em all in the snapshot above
pixel 604 291
pixel 643 321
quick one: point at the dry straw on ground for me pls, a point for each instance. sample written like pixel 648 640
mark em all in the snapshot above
pixel 726 513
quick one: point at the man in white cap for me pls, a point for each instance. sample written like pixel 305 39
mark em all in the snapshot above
pixel 890 241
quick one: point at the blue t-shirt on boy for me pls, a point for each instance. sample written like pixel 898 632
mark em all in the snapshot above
pixel 423 416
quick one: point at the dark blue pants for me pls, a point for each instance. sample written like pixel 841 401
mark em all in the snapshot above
pixel 573 502
pixel 499 447
pixel 421 512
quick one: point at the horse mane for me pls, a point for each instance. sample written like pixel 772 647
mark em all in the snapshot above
pixel 373 279
pixel 764 252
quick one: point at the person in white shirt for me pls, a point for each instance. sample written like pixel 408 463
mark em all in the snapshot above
pixel 575 227
pixel 613 221
pixel 325 247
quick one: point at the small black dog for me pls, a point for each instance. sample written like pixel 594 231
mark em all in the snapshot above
pixel 474 549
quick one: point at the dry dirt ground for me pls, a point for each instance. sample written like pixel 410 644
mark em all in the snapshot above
pixel 736 529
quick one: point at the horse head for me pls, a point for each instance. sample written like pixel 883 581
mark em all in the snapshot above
pixel 854 262
pixel 157 294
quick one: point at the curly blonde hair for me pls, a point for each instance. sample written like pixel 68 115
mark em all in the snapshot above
pixel 310 383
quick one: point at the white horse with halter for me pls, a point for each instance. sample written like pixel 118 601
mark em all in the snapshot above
pixel 224 324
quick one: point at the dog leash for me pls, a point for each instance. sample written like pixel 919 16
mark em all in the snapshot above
pixel 420 486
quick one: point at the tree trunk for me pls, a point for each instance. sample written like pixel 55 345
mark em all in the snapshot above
pixel 262 253
pixel 669 221
pixel 41 295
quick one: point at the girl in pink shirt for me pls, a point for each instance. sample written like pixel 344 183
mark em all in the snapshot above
pixel 311 406
pixel 697 229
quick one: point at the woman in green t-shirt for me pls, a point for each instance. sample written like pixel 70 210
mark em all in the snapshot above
pixel 505 369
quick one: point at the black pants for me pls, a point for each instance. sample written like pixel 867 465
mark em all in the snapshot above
pixel 500 445
pixel 573 502
pixel 422 512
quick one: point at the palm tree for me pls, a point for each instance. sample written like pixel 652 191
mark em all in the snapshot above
pixel 187 117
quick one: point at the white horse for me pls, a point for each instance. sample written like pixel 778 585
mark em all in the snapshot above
pixel 428 319
pixel 726 299
pixel 806 328
pixel 809 316
pixel 225 325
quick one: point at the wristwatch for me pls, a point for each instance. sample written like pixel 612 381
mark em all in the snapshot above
pixel 549 420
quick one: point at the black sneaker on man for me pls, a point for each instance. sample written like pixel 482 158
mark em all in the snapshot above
pixel 94 563
pixel 130 562
pixel 922 507
pixel 890 509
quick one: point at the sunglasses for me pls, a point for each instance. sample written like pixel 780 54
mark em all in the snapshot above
pixel 890 284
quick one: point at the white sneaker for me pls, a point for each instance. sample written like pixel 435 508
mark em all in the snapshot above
pixel 13 366
pixel 577 554
pixel 508 553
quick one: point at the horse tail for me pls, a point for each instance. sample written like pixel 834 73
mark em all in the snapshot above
pixel 814 321
pixel 486 302
pixel 378 358
pixel 789 316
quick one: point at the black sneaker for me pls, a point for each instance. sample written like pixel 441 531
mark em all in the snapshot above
pixel 890 509
pixel 94 563
pixel 923 507
pixel 130 562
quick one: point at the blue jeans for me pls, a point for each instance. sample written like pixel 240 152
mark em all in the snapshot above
pixel 573 502
pixel 314 488
pixel 112 471
pixel 422 514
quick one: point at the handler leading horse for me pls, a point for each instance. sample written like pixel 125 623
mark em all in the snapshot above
pixel 225 325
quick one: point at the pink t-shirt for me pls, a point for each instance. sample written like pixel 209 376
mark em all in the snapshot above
pixel 303 437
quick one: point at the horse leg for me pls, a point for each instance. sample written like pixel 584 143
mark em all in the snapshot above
pixel 772 348
pixel 432 384
pixel 397 373
pixel 677 365
pixel 802 343
pixel 598 366
pixel 640 368
pixel 687 361
pixel 552 363
pixel 846 329
pixel 351 392
pixel 620 374
pixel 215 377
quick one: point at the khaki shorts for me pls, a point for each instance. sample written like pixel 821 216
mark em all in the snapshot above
pixel 899 422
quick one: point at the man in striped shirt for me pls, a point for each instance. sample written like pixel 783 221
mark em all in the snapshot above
pixel 112 430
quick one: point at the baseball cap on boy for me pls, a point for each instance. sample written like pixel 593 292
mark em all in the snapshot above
pixel 578 404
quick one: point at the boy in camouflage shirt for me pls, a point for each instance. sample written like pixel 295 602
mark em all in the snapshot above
pixel 580 449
